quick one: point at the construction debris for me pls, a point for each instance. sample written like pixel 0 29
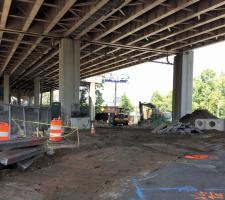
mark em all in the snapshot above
pixel 176 128
pixel 197 114
pixel 186 124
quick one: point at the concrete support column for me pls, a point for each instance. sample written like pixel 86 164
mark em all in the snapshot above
pixel 18 97
pixel 69 76
pixel 29 100
pixel 92 101
pixel 6 90
pixel 182 84
pixel 41 99
pixel 51 96
pixel 37 91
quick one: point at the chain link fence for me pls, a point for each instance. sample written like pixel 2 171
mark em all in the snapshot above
pixel 5 114
pixel 24 121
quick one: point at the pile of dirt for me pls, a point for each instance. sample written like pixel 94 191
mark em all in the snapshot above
pixel 197 114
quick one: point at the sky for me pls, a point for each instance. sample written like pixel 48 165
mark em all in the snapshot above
pixel 148 77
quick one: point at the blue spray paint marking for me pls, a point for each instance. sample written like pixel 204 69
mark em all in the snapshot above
pixel 138 191
pixel 181 189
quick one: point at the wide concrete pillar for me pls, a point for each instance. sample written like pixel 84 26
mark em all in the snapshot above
pixel 37 91
pixel 92 101
pixel 6 89
pixel 182 84
pixel 69 76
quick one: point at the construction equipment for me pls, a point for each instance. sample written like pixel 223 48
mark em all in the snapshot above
pixel 152 115
pixel 149 106
pixel 120 117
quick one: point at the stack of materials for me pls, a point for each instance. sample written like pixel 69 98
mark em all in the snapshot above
pixel 21 151
pixel 176 128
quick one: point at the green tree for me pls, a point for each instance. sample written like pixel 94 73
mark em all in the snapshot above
pixel 99 99
pixel 163 103
pixel 206 92
pixel 125 103
pixel 169 98
pixel 221 101
pixel 84 108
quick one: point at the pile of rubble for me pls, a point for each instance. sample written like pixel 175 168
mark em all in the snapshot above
pixel 197 114
pixel 186 124
pixel 176 128
pixel 21 151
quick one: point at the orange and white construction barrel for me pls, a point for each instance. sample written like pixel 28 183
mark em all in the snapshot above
pixel 4 131
pixel 56 130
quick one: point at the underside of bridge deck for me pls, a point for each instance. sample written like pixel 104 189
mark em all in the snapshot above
pixel 114 34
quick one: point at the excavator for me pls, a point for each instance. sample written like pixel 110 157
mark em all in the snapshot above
pixel 152 115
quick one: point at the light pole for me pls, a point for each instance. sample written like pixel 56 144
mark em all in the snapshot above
pixel 116 79
pixel 115 94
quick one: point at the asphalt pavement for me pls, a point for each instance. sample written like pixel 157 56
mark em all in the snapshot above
pixel 185 179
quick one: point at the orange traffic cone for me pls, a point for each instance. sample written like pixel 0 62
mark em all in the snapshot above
pixel 93 132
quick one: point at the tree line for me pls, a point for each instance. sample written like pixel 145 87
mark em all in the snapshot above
pixel 208 93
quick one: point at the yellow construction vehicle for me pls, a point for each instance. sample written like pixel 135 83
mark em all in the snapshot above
pixel 120 117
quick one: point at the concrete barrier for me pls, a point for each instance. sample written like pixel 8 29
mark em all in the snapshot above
pixel 81 123
pixel 210 124
pixel 200 124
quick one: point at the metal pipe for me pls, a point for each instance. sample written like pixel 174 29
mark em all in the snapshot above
pixel 160 62
pixel 130 47
pixel 29 33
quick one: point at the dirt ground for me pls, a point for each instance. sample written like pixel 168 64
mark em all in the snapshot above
pixel 96 169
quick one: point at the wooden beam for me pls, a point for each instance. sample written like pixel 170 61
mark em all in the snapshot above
pixel 88 13
pixel 52 54
pixel 50 67
pixel 202 7
pixel 5 13
pixel 132 13
pixel 147 19
pixel 143 57
pixel 33 12
pixel 55 15
pixel 102 18
pixel 188 35
pixel 184 36
pixel 91 10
